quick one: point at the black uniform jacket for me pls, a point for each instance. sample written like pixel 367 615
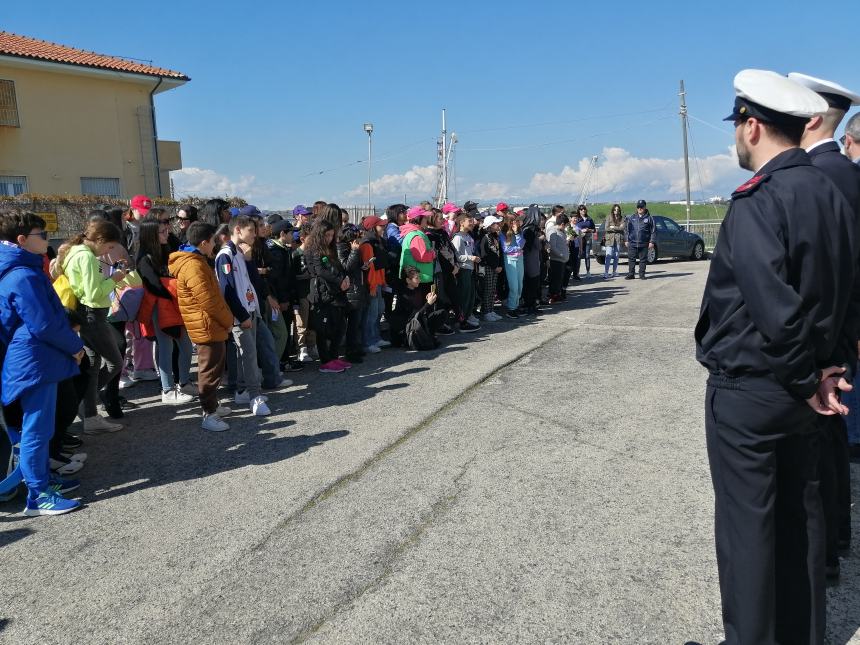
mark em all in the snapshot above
pixel 781 278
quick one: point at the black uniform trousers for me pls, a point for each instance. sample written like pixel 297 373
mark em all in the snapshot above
pixel 769 523
pixel 635 253
pixel 835 468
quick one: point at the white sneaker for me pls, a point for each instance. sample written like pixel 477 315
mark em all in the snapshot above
pixel 65 466
pixel 190 389
pixel 383 343
pixel 223 411
pixel 145 375
pixel 259 407
pixel 304 357
pixel 285 382
pixel 99 425
pixel 243 398
pixel 175 397
pixel 78 456
pixel 213 423
pixel 372 349
pixel 126 382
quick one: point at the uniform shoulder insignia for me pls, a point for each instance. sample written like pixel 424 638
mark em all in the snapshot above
pixel 750 186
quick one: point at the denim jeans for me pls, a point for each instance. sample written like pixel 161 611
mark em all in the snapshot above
pixel 611 256
pixel 245 351
pixel 585 254
pixel 514 268
pixel 164 348
pixel 266 356
pixel 372 313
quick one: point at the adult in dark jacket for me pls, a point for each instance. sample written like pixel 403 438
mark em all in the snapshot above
pixel 38 349
pixel 348 252
pixel 327 295
pixel 531 231
pixel 282 283
pixel 640 238
pixel 834 466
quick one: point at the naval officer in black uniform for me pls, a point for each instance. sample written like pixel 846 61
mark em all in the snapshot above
pixel 770 324
pixel 818 140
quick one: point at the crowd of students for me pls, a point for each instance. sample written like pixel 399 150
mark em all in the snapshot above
pixel 140 291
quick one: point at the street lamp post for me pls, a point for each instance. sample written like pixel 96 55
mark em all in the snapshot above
pixel 368 127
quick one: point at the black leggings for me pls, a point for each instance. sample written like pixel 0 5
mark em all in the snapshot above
pixel 531 291
pixel 328 323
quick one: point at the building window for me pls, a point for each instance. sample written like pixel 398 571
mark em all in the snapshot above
pixel 11 185
pixel 8 105
pixel 102 186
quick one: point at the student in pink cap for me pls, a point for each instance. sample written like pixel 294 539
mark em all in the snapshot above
pixel 451 211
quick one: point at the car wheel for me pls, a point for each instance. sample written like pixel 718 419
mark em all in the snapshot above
pixel 698 251
pixel 652 254
pixel 601 259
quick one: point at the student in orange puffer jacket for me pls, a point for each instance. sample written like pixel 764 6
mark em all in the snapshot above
pixel 206 315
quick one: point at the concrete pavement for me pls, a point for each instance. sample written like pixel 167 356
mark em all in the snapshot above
pixel 543 482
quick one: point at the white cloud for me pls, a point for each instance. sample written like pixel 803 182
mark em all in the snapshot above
pixel 620 173
pixel 417 183
pixel 203 182
pixel 487 191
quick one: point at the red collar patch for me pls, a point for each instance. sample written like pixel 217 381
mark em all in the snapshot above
pixel 751 185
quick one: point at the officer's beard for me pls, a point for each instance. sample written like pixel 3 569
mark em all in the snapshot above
pixel 744 157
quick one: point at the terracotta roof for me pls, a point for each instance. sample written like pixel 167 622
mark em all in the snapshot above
pixel 25 47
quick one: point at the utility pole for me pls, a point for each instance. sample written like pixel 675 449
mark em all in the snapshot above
pixel 686 153
pixel 443 195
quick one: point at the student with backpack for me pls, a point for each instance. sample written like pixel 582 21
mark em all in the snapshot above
pixel 38 349
pixel 374 260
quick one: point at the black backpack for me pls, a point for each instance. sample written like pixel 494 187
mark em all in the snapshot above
pixel 418 336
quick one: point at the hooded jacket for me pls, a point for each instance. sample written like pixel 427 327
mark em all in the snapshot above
pixel 91 288
pixel 532 248
pixel 204 311
pixel 37 345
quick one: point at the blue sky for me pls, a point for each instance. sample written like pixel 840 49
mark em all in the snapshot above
pixel 280 91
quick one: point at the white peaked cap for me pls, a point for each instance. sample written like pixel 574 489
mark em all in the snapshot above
pixel 778 93
pixel 821 86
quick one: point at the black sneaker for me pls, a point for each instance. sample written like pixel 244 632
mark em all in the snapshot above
pixel 468 328
pixel 445 330
pixel 294 366
pixel 513 315
pixel 630 276
pixel 125 404
pixel 72 442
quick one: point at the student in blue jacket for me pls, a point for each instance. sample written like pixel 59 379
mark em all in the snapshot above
pixel 38 349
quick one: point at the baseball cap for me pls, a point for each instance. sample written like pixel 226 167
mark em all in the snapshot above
pixel 234 211
pixel 301 209
pixel 280 226
pixel 641 204
pixel 273 219
pixel 501 206
pixel 141 203
pixel 369 222
pixel 250 211
pixel 470 206
pixel 489 220
pixel 415 212
pixel 450 207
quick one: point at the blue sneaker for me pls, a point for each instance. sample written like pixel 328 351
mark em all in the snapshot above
pixel 49 503
pixel 62 486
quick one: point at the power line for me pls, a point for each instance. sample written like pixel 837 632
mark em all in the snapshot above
pixel 710 125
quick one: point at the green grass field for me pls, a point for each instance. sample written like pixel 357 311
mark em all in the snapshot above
pixel 677 212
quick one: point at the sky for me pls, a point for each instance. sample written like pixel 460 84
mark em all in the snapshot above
pixel 280 91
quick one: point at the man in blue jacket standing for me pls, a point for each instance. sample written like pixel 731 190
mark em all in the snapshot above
pixel 640 238
pixel 38 349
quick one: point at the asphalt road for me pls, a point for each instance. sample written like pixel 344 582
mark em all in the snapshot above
pixel 537 482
